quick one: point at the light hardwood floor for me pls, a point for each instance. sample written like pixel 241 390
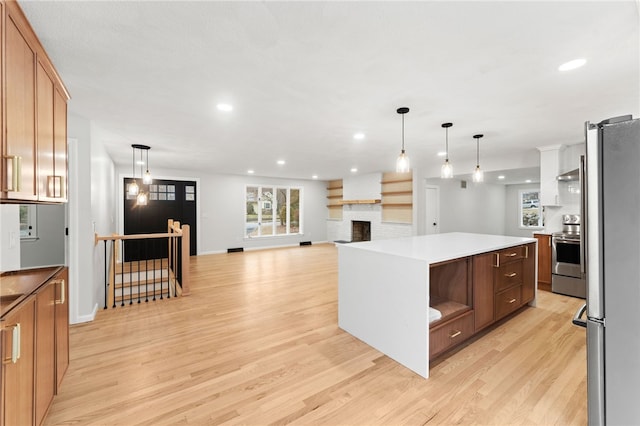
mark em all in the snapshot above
pixel 257 342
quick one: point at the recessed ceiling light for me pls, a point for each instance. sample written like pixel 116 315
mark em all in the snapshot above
pixel 314 177
pixel 281 162
pixel 224 107
pixel 442 154
pixel 528 181
pixel 358 136
pixel 572 65
pixel 354 169
pixel 501 177
pixel 250 171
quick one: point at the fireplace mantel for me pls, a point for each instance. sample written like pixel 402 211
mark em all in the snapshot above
pixel 372 201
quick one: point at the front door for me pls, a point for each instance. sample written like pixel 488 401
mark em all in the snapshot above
pixel 168 199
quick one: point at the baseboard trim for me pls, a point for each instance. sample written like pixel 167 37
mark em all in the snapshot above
pixel 87 318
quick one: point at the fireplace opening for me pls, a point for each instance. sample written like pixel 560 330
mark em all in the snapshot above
pixel 360 231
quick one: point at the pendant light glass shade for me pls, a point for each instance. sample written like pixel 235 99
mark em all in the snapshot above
pixel 133 188
pixel 402 163
pixel 446 171
pixel 141 199
pixel 478 175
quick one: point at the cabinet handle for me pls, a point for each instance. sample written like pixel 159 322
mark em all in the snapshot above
pixel 512 301
pixel 511 275
pixel 15 345
pixel 526 252
pixel 62 295
pixel 455 334
pixel 497 263
pixel 16 165
pixel 512 254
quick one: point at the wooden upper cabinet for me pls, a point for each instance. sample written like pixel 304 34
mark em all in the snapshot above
pixel 51 138
pixel 19 151
pixel 34 119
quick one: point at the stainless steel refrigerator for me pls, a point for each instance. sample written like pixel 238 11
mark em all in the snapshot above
pixel 610 180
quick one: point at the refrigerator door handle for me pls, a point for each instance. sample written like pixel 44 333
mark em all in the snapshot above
pixel 577 318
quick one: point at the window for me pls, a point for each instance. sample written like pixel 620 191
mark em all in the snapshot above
pixel 28 222
pixel 272 211
pixel 530 212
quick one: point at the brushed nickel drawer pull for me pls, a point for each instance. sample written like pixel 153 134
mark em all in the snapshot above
pixel 512 301
pixel 511 275
pixel 455 334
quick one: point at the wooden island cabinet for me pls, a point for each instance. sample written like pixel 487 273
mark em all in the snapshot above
pixel 389 289
pixel 34 124
pixel 544 261
pixel 34 343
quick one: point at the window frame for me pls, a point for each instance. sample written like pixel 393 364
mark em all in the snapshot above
pixel 521 213
pixel 274 211
pixel 31 222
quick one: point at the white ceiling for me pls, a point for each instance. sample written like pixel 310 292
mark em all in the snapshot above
pixel 303 77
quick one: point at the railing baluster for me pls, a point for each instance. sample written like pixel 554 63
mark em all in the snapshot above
pixel 169 255
pixel 161 270
pixel 146 270
pixel 114 271
pixel 124 263
pixel 106 282
pixel 138 281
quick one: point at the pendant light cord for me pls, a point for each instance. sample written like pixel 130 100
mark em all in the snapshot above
pixel 477 152
pixel 402 132
pixel 447 142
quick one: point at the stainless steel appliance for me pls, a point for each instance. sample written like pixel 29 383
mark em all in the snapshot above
pixel 566 259
pixel 611 236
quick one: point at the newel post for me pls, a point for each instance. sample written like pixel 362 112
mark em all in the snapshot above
pixel 186 249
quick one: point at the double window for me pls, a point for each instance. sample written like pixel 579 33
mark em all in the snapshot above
pixel 272 210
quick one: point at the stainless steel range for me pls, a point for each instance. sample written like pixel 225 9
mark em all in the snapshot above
pixel 566 259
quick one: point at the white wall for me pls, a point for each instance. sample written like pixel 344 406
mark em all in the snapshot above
pixel 479 208
pixel 91 209
pixel 221 206
pixel 48 248
pixel 9 237
pixel 103 207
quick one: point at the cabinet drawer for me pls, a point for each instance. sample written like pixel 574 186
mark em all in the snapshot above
pixel 510 254
pixel 508 275
pixel 508 301
pixel 450 334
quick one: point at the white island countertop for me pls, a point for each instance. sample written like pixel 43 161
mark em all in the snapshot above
pixel 441 247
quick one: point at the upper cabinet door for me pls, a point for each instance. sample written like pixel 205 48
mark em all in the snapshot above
pixel 19 153
pixel 45 133
pixel 59 184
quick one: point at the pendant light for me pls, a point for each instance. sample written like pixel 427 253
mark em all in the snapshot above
pixel 133 188
pixel 446 171
pixel 402 163
pixel 146 179
pixel 478 175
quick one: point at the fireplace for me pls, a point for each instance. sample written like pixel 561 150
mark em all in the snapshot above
pixel 360 231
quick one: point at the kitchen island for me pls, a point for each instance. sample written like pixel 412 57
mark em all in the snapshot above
pixel 387 287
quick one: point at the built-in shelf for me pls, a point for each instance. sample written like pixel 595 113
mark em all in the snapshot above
pixel 334 195
pixel 397 192
pixel 396 180
pixel 397 197
pixel 372 201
